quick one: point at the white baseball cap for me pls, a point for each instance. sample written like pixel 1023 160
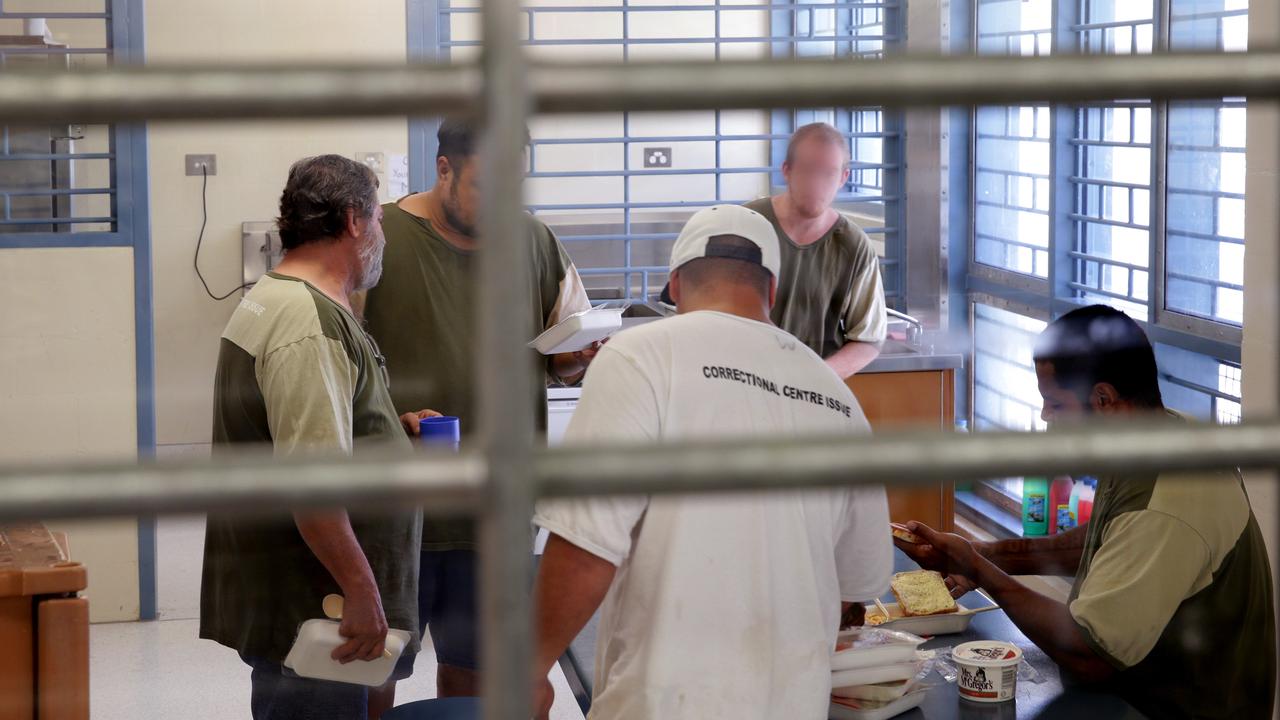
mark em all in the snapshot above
pixel 698 238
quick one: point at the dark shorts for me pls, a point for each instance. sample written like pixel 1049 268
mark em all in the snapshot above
pixel 447 605
pixel 279 694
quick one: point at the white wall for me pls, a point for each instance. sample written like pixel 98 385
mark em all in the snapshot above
pixel 253 159
pixel 67 389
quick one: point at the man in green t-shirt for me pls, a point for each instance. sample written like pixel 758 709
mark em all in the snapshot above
pixel 1172 603
pixel 297 372
pixel 423 315
pixel 830 294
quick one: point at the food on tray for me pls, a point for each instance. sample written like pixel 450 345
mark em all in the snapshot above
pixel 922 592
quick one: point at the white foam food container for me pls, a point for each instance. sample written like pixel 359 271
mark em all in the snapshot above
pixel 579 331
pixel 317 639
pixel 847 709
pixel 944 624
pixel 862 647
pixel 842 679
pixel 988 670
pixel 879 692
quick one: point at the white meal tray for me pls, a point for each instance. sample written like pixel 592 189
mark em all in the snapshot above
pixel 945 624
pixel 309 656
pixel 872 675
pixel 579 331
pixel 875 710
pixel 882 646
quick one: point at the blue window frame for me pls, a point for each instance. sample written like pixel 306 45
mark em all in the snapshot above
pixel 617 187
pixel 76 185
pixel 1131 203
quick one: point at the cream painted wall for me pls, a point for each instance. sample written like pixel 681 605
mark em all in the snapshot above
pixel 67 389
pixel 253 160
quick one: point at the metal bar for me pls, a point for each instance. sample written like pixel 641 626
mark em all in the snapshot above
pixel 759 40
pixel 454 483
pixel 686 171
pixel 689 138
pixel 207 93
pixel 506 392
pixel 624 8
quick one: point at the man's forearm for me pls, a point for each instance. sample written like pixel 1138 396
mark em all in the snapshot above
pixel 571 585
pixel 1045 622
pixel 567 368
pixel 852 358
pixel 329 535
pixel 1053 555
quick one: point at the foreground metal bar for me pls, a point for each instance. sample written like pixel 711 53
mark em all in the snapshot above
pixel 454 483
pixel 506 384
pixel 450 484
pixel 905 459
pixel 205 93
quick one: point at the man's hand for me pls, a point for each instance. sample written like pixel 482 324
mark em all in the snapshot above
pixel 410 421
pixel 584 357
pixel 949 554
pixel 364 625
pixel 544 696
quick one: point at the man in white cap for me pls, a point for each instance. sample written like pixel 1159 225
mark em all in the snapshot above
pixel 713 606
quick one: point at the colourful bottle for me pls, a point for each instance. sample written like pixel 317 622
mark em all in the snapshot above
pixel 1059 502
pixel 1035 506
pixel 1084 509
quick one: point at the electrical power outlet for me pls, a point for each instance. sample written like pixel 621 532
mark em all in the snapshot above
pixel 657 157
pixel 376 161
pixel 198 165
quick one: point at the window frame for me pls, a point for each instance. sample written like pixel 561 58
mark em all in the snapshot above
pixel 1054 295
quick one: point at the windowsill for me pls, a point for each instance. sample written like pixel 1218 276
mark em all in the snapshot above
pixel 980 520
pixel 987 516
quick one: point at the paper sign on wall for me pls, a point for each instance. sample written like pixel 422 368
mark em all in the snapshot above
pixel 397 176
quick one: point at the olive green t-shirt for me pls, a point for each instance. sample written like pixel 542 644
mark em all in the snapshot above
pixel 830 291
pixel 1174 590
pixel 296 372
pixel 423 314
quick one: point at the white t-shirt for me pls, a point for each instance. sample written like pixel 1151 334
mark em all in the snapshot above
pixel 723 606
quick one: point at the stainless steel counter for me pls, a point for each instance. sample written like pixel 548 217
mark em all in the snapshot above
pixel 898 356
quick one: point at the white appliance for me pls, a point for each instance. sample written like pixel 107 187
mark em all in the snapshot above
pixel 561 402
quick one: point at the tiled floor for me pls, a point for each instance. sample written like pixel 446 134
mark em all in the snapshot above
pixel 161 671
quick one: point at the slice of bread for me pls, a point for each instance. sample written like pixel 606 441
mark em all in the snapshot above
pixel 922 592
pixel 902 533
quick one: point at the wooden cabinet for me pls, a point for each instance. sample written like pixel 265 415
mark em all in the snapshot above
pixel 919 399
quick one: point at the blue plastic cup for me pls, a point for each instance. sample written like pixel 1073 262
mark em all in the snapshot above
pixel 440 432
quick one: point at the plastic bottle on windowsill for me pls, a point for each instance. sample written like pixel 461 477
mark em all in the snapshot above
pixel 1035 506
pixel 1060 517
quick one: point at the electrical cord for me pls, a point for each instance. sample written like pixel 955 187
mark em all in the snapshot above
pixel 204 221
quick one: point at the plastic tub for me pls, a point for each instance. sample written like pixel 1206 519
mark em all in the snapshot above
pixel 988 670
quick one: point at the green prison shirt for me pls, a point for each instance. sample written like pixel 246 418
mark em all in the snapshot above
pixel 1174 590
pixel 423 314
pixel 296 371
pixel 829 292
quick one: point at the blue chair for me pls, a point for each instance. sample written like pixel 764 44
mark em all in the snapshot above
pixel 460 708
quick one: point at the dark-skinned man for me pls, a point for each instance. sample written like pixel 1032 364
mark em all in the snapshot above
pixel 1172 603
